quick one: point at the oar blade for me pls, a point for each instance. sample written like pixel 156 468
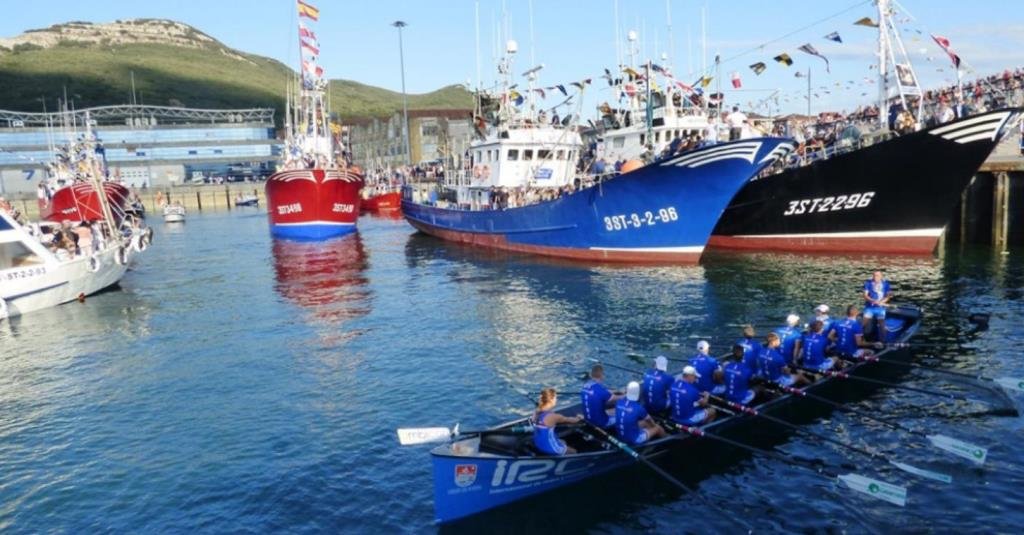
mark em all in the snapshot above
pixel 669 344
pixel 937 476
pixel 972 452
pixel 423 435
pixel 880 490
pixel 1011 383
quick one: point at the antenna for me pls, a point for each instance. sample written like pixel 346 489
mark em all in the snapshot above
pixel 671 42
pixel 533 59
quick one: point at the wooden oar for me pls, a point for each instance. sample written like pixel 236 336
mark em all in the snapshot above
pixel 972 452
pixel 1009 383
pixel 881 490
pixel 421 435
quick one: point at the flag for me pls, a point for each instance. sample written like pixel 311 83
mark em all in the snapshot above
pixel 800 74
pixel 784 59
pixel 561 88
pixel 540 92
pixel 758 67
pixel 705 81
pixel 306 32
pixel 834 36
pixel 308 11
pixel 657 68
pixel 944 44
pixel 630 72
pixel 608 76
pixel 311 47
pixel 684 87
pixel 579 85
pixel 866 21
pixel 310 67
pixel 736 82
pixel 814 52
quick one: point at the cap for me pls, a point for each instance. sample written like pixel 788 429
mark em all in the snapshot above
pixel 792 319
pixel 703 346
pixel 690 370
pixel 661 363
pixel 821 308
pixel 633 391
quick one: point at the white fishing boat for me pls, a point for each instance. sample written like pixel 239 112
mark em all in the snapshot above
pixel 174 213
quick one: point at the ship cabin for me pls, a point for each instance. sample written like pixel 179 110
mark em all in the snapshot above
pixel 624 132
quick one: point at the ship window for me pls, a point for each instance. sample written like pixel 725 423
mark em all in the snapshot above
pixel 513 155
pixel 543 154
pixel 15 255
pixel 528 154
pixel 619 142
pixel 560 155
pixel 657 136
pixel 643 139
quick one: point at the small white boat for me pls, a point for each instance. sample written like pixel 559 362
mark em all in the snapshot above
pixel 32 277
pixel 174 213
pixel 247 200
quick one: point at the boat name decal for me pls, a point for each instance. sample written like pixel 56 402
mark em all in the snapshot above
pixel 292 208
pixel 829 204
pixel 344 208
pixel 69 210
pixel 536 470
pixel 646 219
pixel 25 273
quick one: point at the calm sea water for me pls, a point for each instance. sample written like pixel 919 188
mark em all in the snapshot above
pixel 234 383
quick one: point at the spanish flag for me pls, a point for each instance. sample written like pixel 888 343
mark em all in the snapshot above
pixel 308 11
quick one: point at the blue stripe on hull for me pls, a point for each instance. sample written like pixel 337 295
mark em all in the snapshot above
pixel 310 232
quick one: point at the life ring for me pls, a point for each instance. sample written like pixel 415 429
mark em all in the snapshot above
pixel 4 313
pixel 95 263
pixel 121 256
pixel 139 243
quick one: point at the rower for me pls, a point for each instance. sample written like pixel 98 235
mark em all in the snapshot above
pixel 635 426
pixel 788 337
pixel 656 384
pixel 707 368
pixel 598 401
pixel 848 336
pixel 545 420
pixel 821 314
pixel 877 293
pixel 773 366
pixel 737 378
pixel 749 345
pixel 689 404
pixel 812 349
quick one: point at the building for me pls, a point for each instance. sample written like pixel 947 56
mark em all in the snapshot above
pixel 433 135
pixel 146 146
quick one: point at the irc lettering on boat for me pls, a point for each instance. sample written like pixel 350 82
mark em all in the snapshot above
pixel 508 476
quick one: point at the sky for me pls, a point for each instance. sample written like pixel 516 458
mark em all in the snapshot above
pixel 576 39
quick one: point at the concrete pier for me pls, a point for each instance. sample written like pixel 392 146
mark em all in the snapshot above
pixel 209 197
pixel 990 210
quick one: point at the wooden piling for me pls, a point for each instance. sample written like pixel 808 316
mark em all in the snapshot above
pixel 1000 211
pixel 199 202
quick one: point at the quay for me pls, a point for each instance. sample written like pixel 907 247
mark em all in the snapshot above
pixel 990 210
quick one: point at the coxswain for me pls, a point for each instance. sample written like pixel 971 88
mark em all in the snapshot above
pixel 812 349
pixel 635 426
pixel 788 337
pixel 877 293
pixel 749 345
pixel 773 367
pixel 656 384
pixel 707 368
pixel 737 375
pixel 598 401
pixel 847 336
pixel 545 422
pixel 689 404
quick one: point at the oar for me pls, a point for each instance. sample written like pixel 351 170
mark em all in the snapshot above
pixel 1009 383
pixel 421 435
pixel 881 490
pixel 870 454
pixel 974 453
pixel 844 375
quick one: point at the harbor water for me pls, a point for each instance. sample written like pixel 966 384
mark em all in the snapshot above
pixel 237 384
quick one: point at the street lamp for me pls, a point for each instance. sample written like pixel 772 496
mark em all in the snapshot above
pixel 405 99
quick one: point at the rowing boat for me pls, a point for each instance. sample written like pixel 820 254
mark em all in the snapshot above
pixel 498 466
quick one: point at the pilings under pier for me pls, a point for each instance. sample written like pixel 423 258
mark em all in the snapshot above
pixel 991 209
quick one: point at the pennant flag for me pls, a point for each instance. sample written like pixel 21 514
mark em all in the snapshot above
pixel 630 72
pixel 561 88
pixel 866 21
pixel 306 32
pixel 834 36
pixel 608 76
pixel 705 81
pixel 814 52
pixel 758 67
pixel 784 59
pixel 308 11
pixel 310 47
pixel 540 92
pixel 800 74
pixel 684 87
pixel 944 44
pixel 657 68
pixel 579 85
pixel 736 82
pixel 310 67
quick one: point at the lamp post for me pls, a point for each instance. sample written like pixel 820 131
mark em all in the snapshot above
pixel 405 99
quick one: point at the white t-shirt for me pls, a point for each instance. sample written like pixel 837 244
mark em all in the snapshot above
pixel 737 119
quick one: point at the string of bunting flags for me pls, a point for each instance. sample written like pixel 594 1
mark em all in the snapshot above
pixel 309 46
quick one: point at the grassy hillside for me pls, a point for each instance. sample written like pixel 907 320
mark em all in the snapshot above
pixel 209 76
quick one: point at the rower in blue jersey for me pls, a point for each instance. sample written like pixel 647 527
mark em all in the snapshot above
pixel 656 384
pixel 707 368
pixel 689 404
pixel 788 337
pixel 772 366
pixel 737 375
pixel 821 314
pixel 598 401
pixel 635 426
pixel 749 344
pixel 545 422
pixel 877 293
pixel 848 336
pixel 812 349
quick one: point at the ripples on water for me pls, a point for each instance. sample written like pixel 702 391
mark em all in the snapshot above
pixel 234 383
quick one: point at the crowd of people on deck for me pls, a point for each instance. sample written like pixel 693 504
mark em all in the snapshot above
pixel 12 211
pixel 756 370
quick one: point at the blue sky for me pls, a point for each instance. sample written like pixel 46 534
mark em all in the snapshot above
pixel 574 39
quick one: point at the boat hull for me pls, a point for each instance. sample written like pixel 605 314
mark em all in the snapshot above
pixel 81 202
pixel 313 204
pixel 385 202
pixel 894 197
pixel 661 213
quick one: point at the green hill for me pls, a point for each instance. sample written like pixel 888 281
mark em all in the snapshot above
pixel 174 65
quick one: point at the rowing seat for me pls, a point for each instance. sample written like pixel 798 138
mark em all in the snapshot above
pixel 503 444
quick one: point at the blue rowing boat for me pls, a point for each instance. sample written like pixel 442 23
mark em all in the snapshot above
pixel 499 466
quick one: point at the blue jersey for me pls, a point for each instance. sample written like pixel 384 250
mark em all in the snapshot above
pixel 826 324
pixel 812 349
pixel 788 336
pixel 655 387
pixel 876 291
pixel 628 415
pixel 770 363
pixel 737 381
pixel 847 331
pixel 545 438
pixel 749 351
pixel 705 366
pixel 684 401
pixel 595 402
